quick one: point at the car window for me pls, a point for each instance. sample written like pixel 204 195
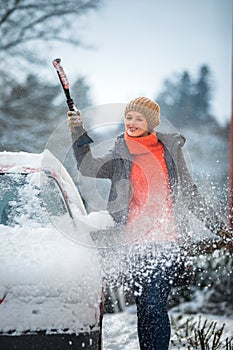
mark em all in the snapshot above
pixel 30 197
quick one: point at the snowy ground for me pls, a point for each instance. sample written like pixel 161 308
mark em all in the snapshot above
pixel 120 329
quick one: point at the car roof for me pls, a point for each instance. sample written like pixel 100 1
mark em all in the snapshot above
pixel 30 161
pixel 24 162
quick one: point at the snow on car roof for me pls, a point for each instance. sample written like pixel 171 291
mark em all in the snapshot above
pixel 32 161
pixel 20 159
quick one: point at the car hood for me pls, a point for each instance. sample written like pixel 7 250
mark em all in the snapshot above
pixel 47 280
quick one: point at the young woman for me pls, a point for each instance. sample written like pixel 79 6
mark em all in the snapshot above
pixel 151 197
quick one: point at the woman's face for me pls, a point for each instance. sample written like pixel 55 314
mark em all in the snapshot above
pixel 136 124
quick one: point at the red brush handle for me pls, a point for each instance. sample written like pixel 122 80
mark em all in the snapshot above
pixel 64 82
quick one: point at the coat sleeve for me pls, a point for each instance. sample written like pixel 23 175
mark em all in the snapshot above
pixel 195 202
pixel 100 167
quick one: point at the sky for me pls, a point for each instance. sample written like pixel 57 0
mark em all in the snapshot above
pixel 136 45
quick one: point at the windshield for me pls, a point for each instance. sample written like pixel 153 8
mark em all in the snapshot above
pixel 35 197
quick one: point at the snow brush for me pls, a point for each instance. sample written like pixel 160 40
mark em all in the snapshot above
pixel 65 83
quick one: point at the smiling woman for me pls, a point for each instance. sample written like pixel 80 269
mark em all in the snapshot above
pixel 151 197
pixel 141 116
pixel 136 124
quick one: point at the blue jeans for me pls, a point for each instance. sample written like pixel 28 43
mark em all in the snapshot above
pixel 153 321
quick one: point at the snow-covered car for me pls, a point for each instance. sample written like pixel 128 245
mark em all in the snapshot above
pixel 50 276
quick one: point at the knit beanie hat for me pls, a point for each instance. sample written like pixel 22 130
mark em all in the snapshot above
pixel 149 109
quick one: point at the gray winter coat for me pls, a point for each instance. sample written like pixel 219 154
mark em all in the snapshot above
pixel 116 165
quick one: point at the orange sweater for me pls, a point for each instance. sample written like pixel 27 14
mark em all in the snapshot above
pixel 150 207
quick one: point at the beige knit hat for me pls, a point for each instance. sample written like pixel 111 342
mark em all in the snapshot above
pixel 148 108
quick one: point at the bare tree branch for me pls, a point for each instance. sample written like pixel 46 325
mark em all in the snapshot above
pixel 23 21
